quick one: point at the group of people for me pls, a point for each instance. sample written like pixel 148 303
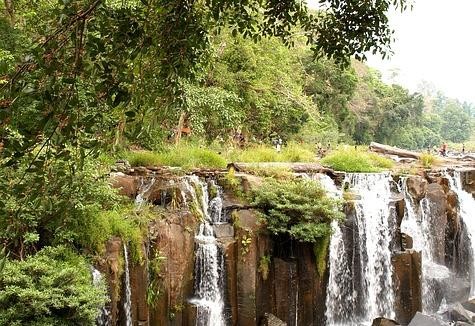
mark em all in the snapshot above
pixel 443 149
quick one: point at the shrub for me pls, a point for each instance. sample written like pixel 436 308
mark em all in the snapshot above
pixel 356 160
pixel 52 288
pixel 427 160
pixel 297 208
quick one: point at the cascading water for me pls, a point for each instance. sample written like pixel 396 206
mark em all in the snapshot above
pixel 127 300
pixel 362 289
pixel 144 188
pixel 209 262
pixel 418 224
pixel 374 238
pixel 467 209
pixel 103 318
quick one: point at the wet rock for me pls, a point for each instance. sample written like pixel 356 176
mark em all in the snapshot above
pixel 457 289
pixel 381 321
pixel 458 313
pixel 225 230
pixel 417 187
pixel 173 238
pixel 468 180
pixel 407 271
pixel 271 320
pixel 286 292
pixel 424 320
pixel 437 206
pixel 406 241
pixel 469 305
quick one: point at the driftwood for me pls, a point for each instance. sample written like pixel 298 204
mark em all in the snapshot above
pixel 390 150
pixel 294 167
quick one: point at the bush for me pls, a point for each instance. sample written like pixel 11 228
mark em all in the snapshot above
pixel 297 208
pixel 52 288
pixel 356 160
pixel 427 160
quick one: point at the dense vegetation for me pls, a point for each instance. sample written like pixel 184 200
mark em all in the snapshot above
pixel 81 80
pixel 299 209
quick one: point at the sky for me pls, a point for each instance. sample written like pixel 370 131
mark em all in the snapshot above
pixel 434 43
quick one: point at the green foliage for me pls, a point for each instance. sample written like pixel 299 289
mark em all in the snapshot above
pixel 246 240
pixel 264 153
pixel 297 208
pixel 184 155
pixel 264 263
pixel 427 160
pixel 3 260
pixel 155 286
pixel 74 207
pixel 53 287
pixel 233 183
pixel 320 250
pixel 356 160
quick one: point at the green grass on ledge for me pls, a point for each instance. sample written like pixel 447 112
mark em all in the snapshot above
pixel 184 156
pixel 348 159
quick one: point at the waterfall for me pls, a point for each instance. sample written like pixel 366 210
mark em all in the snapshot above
pixel 209 262
pixel 103 318
pixel 467 209
pixel 418 224
pixel 144 188
pixel 127 301
pixel 361 288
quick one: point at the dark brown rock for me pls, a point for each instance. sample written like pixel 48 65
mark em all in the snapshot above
pixel 437 205
pixel 417 187
pixel 174 239
pixel 381 321
pixel 468 180
pixel 407 272
pixel 407 241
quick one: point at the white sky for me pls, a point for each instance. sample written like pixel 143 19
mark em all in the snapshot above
pixel 434 42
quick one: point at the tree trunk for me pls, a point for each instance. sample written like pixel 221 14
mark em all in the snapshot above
pixel 386 149
pixel 179 128
pixel 10 9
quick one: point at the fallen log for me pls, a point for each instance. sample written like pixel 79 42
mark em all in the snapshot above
pixel 391 150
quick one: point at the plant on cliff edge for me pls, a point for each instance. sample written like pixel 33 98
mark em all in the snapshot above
pixel 297 208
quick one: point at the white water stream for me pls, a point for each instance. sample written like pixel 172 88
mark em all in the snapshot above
pixel 467 214
pixel 356 297
pixel 209 261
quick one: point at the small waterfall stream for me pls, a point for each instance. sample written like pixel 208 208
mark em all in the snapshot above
pixel 127 300
pixel 209 262
pixel 362 289
pixel 467 211
pixel 103 318
pixel 418 223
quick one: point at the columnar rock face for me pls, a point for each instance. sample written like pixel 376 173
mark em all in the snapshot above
pixel 407 273
pixel 269 280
